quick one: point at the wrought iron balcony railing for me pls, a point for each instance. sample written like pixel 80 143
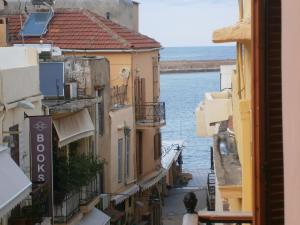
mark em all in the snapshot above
pixel 66 206
pixel 118 96
pixel 151 114
pixel 90 191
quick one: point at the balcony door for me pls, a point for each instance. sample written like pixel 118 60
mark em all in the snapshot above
pixel 140 97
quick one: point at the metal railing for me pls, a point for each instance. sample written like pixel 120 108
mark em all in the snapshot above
pixel 90 191
pixel 208 217
pixel 67 208
pixel 118 95
pixel 211 191
pixel 151 113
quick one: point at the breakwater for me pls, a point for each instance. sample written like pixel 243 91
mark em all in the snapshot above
pixel 185 66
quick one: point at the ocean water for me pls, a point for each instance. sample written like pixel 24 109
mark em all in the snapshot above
pixel 198 53
pixel 182 93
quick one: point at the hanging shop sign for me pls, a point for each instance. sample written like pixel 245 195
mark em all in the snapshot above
pixel 41 154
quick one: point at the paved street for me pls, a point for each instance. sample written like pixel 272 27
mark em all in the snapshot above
pixel 174 209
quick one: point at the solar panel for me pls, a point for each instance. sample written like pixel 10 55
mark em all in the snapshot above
pixel 36 24
pixel 52 79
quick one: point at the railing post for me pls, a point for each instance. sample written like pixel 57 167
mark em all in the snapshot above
pixel 191 217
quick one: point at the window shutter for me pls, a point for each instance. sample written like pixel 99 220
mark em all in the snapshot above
pixel 120 160
pixel 274 181
pixel 127 152
pixel 157 146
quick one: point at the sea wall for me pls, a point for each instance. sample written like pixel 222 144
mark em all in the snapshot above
pixel 193 66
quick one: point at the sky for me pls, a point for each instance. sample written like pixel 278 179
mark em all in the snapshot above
pixel 176 23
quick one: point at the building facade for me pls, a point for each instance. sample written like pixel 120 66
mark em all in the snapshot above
pixel 21 74
pixel 133 170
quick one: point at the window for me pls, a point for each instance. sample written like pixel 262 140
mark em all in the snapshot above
pixel 120 160
pixel 157 146
pixel 139 152
pixel 127 152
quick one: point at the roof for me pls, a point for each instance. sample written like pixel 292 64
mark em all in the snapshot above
pixel 83 30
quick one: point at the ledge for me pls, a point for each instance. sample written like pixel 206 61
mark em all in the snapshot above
pixel 240 32
pixel 88 207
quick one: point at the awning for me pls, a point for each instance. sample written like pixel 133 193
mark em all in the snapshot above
pixel 95 217
pixel 15 186
pixel 152 179
pixel 121 197
pixel 74 127
pixel 236 33
pixel 172 150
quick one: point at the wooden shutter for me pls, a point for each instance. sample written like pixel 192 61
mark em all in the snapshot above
pixel 156 90
pixel 268 140
pixel 120 160
pixel 157 146
pixel 139 152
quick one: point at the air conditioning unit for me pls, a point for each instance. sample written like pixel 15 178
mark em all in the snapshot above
pixel 70 90
pixel 104 201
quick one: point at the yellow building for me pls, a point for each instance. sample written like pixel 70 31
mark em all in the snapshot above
pixel 136 115
pixel 241 95
pixel 227 114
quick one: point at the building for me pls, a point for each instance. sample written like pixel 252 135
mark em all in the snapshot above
pixel 136 115
pixel 21 74
pixel 233 106
pixel 74 90
pixel 124 12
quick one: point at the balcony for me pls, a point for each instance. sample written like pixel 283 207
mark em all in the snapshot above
pixel 67 208
pixel 237 218
pixel 33 209
pixel 118 96
pixel 150 114
pixel 215 217
pixel 90 195
pixel 216 107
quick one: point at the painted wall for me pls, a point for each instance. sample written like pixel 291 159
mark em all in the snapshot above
pixel 291 107
pixel 119 119
pixel 143 68
pixel 242 121
pixel 12 114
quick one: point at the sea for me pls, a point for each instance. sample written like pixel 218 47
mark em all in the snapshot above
pixel 182 92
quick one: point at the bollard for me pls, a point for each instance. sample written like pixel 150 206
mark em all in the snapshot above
pixel 191 217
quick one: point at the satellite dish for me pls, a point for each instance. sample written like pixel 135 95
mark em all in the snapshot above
pixel 125 73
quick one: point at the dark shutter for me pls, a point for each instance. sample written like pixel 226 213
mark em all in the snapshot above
pixel 273 144
pixel 14 150
pixel 157 146
pixel 139 152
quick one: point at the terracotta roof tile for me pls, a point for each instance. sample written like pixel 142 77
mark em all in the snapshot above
pixel 82 29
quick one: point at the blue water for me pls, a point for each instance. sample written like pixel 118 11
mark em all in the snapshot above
pixel 198 53
pixel 182 93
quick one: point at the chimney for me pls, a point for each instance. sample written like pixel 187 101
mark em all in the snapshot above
pixel 135 13
pixel 108 15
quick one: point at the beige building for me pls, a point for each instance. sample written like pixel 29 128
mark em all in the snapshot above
pixel 133 154
pixel 21 74
pixel 78 113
